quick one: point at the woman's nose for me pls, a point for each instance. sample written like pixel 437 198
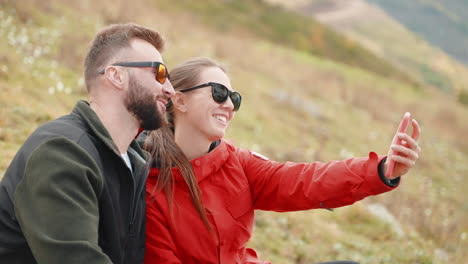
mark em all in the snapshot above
pixel 228 104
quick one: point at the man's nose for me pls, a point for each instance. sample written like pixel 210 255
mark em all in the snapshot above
pixel 168 89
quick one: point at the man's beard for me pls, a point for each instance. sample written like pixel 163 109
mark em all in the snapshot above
pixel 143 105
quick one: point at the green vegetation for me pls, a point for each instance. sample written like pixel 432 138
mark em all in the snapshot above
pixel 463 97
pixel 297 106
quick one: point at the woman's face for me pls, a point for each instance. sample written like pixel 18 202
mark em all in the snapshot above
pixel 204 114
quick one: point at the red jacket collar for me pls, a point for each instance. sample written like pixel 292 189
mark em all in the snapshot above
pixel 204 165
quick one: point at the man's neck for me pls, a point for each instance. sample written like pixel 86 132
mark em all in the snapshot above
pixel 120 124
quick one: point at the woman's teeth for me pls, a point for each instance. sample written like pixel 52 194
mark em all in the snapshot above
pixel 221 118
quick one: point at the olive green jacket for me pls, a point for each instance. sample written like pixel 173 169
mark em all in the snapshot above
pixel 68 196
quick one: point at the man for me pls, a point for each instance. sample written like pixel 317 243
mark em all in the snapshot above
pixel 74 192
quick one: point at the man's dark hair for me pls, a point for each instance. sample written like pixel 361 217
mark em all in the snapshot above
pixel 110 41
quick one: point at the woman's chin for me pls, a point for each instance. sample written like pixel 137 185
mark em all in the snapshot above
pixel 217 136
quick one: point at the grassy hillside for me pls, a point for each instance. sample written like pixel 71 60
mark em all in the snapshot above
pixel 386 37
pixel 443 23
pixel 255 17
pixel 297 106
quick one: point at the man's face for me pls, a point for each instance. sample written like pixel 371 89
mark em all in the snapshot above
pixel 146 98
pixel 143 104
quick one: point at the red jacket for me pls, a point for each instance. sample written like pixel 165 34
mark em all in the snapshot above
pixel 233 183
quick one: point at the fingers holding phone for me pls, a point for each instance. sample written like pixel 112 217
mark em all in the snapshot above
pixel 404 149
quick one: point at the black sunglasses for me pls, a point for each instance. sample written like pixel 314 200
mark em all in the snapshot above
pixel 161 73
pixel 220 93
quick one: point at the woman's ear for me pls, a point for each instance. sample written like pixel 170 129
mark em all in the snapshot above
pixel 179 101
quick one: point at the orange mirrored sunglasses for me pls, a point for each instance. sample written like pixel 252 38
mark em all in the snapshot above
pixel 161 74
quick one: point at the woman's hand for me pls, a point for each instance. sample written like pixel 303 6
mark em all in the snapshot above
pixel 406 154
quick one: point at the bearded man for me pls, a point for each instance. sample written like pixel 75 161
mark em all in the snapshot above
pixel 75 191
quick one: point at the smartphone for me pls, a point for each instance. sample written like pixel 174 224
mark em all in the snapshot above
pixel 402 129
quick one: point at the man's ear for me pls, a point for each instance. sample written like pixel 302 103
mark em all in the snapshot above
pixel 179 101
pixel 118 77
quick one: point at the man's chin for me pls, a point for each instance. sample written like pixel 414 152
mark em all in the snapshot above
pixel 152 125
pixel 151 121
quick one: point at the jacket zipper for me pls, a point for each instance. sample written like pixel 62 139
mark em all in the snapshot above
pixel 132 211
pixel 132 208
pixel 138 193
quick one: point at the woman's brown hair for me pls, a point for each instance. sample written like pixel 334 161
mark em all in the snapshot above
pixel 161 144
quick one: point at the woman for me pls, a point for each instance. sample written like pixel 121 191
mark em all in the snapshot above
pixel 202 209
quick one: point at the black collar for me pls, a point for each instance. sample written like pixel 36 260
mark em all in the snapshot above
pixel 214 145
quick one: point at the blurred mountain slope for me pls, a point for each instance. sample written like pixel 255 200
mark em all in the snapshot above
pixel 380 32
pixel 442 23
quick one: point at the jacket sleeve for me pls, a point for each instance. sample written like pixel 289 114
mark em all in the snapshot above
pixel 160 246
pixel 292 186
pixel 56 204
